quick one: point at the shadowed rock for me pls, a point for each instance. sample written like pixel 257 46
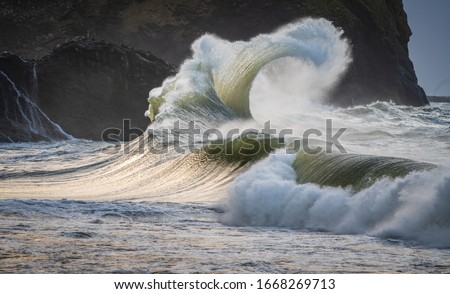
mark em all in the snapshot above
pixel 87 86
pixel 84 86
pixel 378 30
pixel 20 117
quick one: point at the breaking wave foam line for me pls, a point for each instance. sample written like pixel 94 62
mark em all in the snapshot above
pixel 413 208
pixel 220 74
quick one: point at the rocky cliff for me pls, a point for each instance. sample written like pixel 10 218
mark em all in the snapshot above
pixel 83 87
pixel 88 86
pixel 20 117
pixel 378 31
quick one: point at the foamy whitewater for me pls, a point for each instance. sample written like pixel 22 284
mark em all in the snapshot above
pixel 77 206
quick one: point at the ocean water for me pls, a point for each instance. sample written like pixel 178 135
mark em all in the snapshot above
pixel 194 195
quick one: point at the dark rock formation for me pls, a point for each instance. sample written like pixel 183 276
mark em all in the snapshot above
pixel 83 86
pixel 381 70
pixel 88 86
pixel 378 31
pixel 20 118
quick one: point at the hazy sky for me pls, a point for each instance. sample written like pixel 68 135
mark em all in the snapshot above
pixel 429 47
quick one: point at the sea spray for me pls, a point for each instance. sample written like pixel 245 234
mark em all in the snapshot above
pixel 414 207
pixel 279 76
pixel 220 74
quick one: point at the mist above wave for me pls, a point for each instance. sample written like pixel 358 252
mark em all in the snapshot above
pixel 217 80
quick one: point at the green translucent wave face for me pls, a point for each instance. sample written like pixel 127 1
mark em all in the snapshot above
pixel 229 88
pixel 224 71
pixel 154 105
pixel 353 171
pixel 248 148
pixel 213 87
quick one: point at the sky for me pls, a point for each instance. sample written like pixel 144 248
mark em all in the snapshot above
pixel 429 47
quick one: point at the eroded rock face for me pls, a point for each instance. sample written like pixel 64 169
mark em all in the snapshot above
pixel 83 87
pixel 87 86
pixel 378 31
pixel 20 117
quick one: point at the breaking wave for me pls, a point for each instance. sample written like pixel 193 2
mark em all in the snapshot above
pixel 413 207
pixel 215 83
pixel 282 76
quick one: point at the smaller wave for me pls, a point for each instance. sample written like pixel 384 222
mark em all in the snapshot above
pixel 413 207
pixel 352 170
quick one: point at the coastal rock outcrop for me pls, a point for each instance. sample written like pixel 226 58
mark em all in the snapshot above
pixel 88 86
pixel 378 31
pixel 21 119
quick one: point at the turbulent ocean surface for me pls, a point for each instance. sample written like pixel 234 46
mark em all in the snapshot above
pixel 209 188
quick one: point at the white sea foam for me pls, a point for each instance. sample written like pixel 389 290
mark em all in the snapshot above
pixel 223 72
pixel 415 207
